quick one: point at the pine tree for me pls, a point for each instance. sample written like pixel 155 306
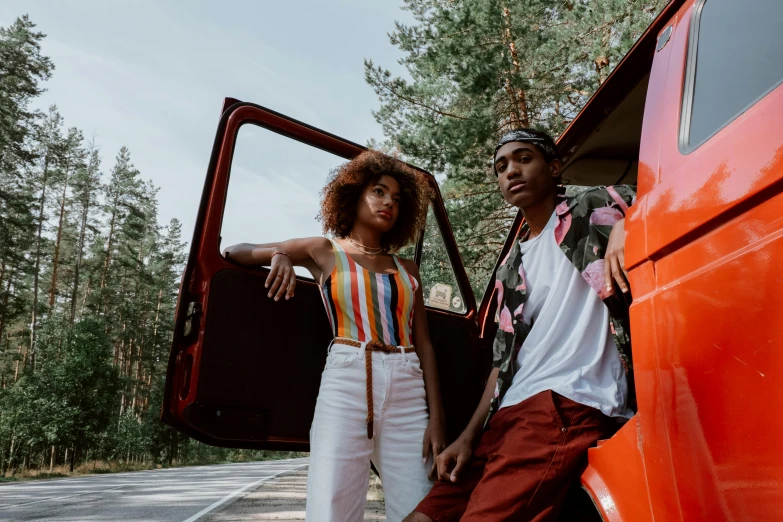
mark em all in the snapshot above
pixel 16 240
pixel 22 69
pixel 71 161
pixel 480 67
pixel 88 283
pixel 50 151
pixel 86 186
pixel 121 200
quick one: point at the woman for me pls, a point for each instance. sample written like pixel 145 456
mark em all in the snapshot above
pixel 379 399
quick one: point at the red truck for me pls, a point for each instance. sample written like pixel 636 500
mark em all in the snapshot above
pixel 692 116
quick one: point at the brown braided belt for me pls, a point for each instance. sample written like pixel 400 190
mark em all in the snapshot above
pixel 372 346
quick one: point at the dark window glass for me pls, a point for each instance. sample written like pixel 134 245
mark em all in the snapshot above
pixel 439 282
pixel 739 59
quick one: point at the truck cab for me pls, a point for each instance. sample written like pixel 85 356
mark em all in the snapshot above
pixel 692 117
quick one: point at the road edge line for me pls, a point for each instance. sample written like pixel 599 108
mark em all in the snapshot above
pixel 228 497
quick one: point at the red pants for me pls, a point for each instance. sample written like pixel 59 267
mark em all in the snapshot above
pixel 524 463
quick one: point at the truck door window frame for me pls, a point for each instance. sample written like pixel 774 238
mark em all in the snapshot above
pixel 436 206
pixel 195 400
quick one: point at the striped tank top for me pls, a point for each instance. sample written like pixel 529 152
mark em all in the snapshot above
pixel 366 306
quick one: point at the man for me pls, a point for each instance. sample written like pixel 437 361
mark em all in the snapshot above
pixel 561 377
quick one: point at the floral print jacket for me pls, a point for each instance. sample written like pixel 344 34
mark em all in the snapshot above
pixel 586 217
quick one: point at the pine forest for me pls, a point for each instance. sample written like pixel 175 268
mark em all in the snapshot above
pixel 88 285
pixel 89 277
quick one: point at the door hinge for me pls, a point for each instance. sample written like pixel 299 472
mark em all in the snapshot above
pixel 192 318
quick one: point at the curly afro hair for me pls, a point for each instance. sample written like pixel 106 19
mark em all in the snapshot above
pixel 340 197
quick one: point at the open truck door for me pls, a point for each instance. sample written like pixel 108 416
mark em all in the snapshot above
pixel 244 370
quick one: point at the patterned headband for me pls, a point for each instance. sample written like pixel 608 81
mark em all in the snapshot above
pixel 544 143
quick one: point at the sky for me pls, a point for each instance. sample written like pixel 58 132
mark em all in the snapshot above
pixel 152 75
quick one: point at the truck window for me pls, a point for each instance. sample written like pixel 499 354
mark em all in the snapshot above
pixel 735 58
pixel 274 189
pixel 439 282
pixel 272 199
pixel 441 289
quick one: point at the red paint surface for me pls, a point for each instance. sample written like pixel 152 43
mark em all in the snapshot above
pixel 705 247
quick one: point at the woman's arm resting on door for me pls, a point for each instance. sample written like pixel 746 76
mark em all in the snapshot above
pixel 281 257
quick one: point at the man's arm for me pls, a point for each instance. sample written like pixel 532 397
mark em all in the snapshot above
pixel 451 461
pixel 614 258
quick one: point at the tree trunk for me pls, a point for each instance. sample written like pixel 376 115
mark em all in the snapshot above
pixel 2 273
pixel 109 246
pixel 84 300
pixel 139 380
pixel 157 316
pixel 107 263
pixel 16 372
pixel 5 302
pixel 11 456
pixel 37 268
pixel 26 461
pixel 519 112
pixel 52 458
pixel 86 204
pixel 602 61
pixel 77 267
pixel 601 64
pixel 56 260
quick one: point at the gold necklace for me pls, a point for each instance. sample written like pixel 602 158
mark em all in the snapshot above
pixel 363 249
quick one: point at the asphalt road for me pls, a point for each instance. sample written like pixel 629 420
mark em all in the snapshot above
pixel 174 494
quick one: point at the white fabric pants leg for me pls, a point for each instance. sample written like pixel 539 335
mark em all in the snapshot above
pixel 340 452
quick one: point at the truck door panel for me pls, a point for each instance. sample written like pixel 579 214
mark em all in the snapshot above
pixel 244 370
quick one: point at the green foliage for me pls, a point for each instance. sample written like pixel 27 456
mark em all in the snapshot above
pixel 88 282
pixel 72 396
pixel 479 67
pixel 88 277
pixel 22 69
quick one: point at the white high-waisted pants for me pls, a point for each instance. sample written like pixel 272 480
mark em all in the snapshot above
pixel 340 452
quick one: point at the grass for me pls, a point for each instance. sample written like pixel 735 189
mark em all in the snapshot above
pixel 94 467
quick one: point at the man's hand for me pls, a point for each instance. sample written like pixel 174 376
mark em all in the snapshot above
pixel 453 459
pixel 614 260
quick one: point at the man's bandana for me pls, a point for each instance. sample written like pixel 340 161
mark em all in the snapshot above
pixel 539 139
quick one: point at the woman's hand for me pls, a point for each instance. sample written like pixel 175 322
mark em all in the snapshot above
pixel 453 459
pixel 434 443
pixel 282 278
pixel 614 260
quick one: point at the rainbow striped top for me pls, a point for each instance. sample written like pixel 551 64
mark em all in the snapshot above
pixel 366 306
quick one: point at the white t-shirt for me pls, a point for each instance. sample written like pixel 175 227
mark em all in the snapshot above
pixel 569 349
